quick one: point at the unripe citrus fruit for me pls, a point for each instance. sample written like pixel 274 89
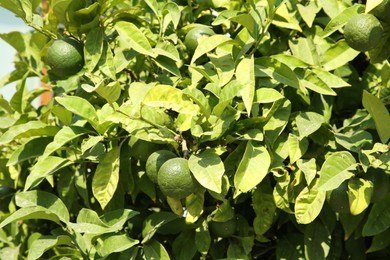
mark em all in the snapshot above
pixel 381 184
pixel 65 57
pixel 194 35
pixel 155 161
pixel 175 179
pixel 223 229
pixel 338 198
pixel 363 32
pixel 382 11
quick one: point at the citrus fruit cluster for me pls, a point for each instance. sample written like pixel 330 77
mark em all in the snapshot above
pixel 171 173
pixel 65 57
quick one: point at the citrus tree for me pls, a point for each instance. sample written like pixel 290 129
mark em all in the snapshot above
pixel 199 129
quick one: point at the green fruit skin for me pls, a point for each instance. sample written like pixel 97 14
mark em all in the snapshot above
pixel 223 229
pixel 65 57
pixel 193 36
pixel 381 184
pixel 175 179
pixel 155 161
pixel 338 198
pixel 363 23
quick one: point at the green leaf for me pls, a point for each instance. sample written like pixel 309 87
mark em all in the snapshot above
pixel 115 243
pixel 154 250
pixel 270 67
pixel 44 199
pixel 277 122
pixel 202 238
pixel 43 169
pixel 296 147
pixel 208 44
pixel 168 64
pixel 31 149
pixel 170 98
pixel 305 50
pixel 330 79
pixel 309 168
pixel 315 83
pixel 265 209
pixel 341 19
pixel 29 129
pixel 13 6
pixel 380 241
pixel 359 194
pixel 184 246
pixel 207 169
pixel 308 123
pixel 93 48
pixel 81 107
pixel 45 243
pixel 379 218
pixel 245 75
pixel 252 168
pixel 130 36
pixel 308 204
pixel 354 140
pixel 379 113
pixel 194 204
pixel 172 15
pixel 65 135
pixel 336 169
pixel 267 95
pixel 36 212
pixel 248 22
pixel 290 246
pixel 89 222
pixel 317 241
pixel 106 177
pixel 338 55
pixel 154 221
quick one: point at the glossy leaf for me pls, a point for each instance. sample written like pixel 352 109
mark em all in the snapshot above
pixel 336 169
pixel 29 129
pixel 81 107
pixel 106 177
pixel 132 37
pixel 245 75
pixel 208 44
pixel 44 199
pixel 65 135
pixel 308 204
pixel 379 113
pixel 155 250
pixel 359 195
pixel 45 243
pixel 115 243
pixel 31 149
pixel 338 55
pixel 317 241
pixel 308 123
pixel 252 168
pixel 378 218
pixel 170 98
pixel 207 168
pixel 43 169
pixel 265 209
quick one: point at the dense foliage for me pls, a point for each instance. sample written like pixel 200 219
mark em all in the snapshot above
pixel 285 128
